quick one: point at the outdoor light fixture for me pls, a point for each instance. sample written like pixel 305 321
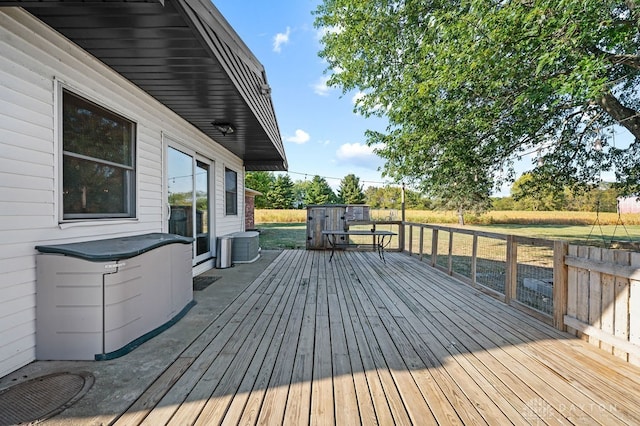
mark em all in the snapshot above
pixel 265 89
pixel 223 127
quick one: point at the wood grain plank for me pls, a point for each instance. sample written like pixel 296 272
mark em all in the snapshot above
pixel 608 301
pixel 298 409
pixel 566 349
pixel 372 402
pixel 595 295
pixel 432 383
pixel 436 327
pixel 419 323
pixel 582 302
pixel 273 402
pixel 392 351
pixel 232 359
pixel 345 399
pixel 634 309
pixel 558 388
pixel 254 346
pixel 384 392
pixel 322 403
pixel 621 310
pixel 365 405
pixel 572 289
pixel 149 399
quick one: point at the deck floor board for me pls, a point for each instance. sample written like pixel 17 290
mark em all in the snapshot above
pixel 360 341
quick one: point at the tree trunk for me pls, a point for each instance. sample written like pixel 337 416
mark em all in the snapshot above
pixel 626 117
pixel 461 216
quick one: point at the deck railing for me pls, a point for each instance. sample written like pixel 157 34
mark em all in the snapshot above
pixel 591 292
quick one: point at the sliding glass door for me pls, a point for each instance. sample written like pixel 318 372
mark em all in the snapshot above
pixel 189 199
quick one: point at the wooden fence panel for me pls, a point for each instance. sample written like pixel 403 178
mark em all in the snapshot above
pixel 595 295
pixel 608 298
pixel 582 307
pixel 572 290
pixel 634 310
pixel 621 308
pixel 606 307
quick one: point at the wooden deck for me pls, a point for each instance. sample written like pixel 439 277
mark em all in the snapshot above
pixel 357 341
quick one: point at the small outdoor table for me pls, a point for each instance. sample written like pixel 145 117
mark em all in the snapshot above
pixel 381 239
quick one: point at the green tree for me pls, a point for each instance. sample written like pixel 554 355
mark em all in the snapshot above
pixel 463 197
pixel 390 197
pixel 300 189
pixel 350 191
pixel 470 86
pixel 416 200
pixel 262 182
pixel 387 197
pixel 546 197
pixel 281 195
pixel 502 203
pixel 319 192
pixel 373 197
pixel 603 197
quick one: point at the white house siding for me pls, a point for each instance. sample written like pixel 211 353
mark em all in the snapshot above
pixel 629 205
pixel 32 58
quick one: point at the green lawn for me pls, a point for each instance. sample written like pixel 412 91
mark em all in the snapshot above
pixel 279 236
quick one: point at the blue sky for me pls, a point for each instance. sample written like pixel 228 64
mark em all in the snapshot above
pixel 321 133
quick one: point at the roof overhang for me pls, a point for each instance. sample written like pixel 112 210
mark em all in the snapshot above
pixel 184 54
pixel 251 192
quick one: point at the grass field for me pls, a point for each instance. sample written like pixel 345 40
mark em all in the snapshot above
pixel 286 229
pixel 449 217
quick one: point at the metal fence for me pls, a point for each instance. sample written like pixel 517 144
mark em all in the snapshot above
pixel 516 270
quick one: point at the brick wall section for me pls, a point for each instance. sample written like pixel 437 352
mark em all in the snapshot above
pixel 249 206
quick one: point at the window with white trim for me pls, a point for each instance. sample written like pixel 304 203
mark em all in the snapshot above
pixel 98 161
pixel 230 192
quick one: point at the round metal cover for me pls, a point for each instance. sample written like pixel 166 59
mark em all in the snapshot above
pixel 42 397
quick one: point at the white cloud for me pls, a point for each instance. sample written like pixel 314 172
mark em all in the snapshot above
pixel 334 29
pixel 358 154
pixel 300 137
pixel 280 39
pixel 357 97
pixel 320 87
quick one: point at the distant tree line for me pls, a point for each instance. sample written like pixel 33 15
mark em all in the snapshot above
pixel 280 192
pixel 603 197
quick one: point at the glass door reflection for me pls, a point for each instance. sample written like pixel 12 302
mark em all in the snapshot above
pixel 189 199
pixel 180 192
pixel 203 229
